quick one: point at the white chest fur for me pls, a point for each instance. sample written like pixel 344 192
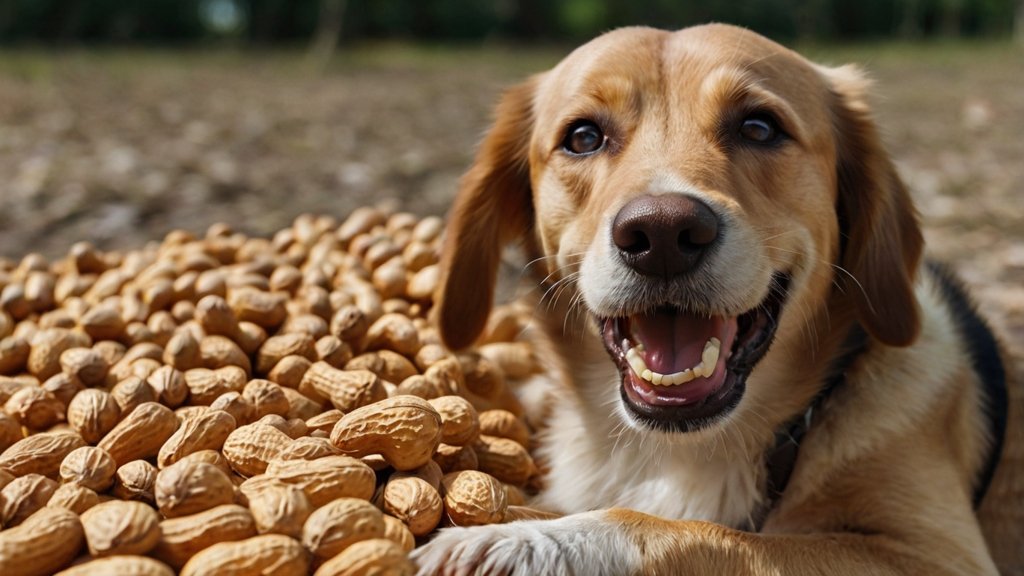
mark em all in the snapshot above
pixel 598 461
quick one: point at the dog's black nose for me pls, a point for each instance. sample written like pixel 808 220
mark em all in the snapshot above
pixel 664 235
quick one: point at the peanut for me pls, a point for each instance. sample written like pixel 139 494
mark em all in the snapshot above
pixel 388 364
pixel 210 457
pixel 288 371
pixel 218 351
pixel 279 508
pixel 346 389
pixel 236 406
pixel 40 453
pixel 514 358
pixel 278 347
pixel 504 459
pixel 119 566
pixel 293 427
pixel 333 350
pixel 181 538
pixel 373 556
pixel 414 501
pixel 47 346
pixel 308 448
pixel 396 531
pixel 169 385
pixel 504 424
pixel 191 486
pixel 472 498
pixel 249 448
pixel 14 353
pixel 34 407
pixel 10 432
pixel 393 332
pixel 23 497
pixel 340 523
pixel 262 308
pixel 141 433
pixel 503 325
pixel 288 376
pixel 459 421
pixel 482 376
pixel 74 497
pixel 266 397
pixel 89 467
pixel 132 391
pixel 64 388
pixel 182 351
pixel 206 385
pixel 117 527
pixel 135 480
pixel 327 478
pixel 93 413
pixel 267 554
pixel 41 545
pixel 350 324
pixel 206 431
pixel 325 420
pixel 85 364
pixel 405 430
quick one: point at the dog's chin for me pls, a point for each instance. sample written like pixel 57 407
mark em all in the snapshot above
pixel 682 371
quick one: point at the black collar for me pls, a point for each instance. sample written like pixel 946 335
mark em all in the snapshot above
pixel 781 459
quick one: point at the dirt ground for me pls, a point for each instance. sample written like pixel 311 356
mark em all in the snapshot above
pixel 118 148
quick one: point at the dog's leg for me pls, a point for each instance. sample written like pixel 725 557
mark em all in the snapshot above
pixel 583 544
pixel 621 542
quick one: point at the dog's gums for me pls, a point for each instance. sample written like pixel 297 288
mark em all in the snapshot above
pixel 680 371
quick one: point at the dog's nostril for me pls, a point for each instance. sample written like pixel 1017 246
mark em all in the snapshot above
pixel 699 236
pixel 636 244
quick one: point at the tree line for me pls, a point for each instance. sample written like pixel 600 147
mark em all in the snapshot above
pixel 325 23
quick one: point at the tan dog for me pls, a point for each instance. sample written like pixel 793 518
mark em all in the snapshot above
pixel 761 375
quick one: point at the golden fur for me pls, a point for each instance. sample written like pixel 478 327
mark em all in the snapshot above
pixel 884 478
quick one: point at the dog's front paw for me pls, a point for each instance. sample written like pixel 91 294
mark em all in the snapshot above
pixel 578 544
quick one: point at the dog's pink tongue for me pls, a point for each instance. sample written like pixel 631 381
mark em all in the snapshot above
pixel 673 341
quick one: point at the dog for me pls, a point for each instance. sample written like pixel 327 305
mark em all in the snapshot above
pixel 758 372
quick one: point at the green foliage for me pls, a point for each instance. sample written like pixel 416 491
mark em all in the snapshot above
pixel 276 21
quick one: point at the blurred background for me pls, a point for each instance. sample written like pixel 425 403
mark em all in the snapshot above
pixel 122 120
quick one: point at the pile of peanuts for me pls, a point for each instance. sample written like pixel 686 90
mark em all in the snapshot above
pixel 239 405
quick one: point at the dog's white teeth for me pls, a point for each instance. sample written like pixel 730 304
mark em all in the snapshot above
pixel 709 358
pixel 706 366
pixel 636 362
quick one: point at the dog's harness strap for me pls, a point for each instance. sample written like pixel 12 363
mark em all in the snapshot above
pixel 983 351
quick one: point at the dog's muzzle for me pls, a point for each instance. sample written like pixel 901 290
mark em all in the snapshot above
pixel 681 367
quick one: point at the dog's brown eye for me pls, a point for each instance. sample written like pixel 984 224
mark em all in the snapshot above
pixel 584 138
pixel 760 129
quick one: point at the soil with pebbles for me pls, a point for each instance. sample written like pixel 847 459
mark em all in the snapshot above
pixel 119 148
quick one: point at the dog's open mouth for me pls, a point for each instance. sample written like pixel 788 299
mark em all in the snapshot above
pixel 681 370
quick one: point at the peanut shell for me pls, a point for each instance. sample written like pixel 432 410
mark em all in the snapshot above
pixel 266 554
pixel 118 527
pixel 405 430
pixel 44 543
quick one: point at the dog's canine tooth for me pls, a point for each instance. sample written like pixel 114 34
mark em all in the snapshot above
pixel 709 358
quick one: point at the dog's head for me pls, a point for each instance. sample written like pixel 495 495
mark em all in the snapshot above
pixel 705 192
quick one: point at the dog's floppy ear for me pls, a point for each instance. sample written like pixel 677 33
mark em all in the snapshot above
pixel 880 237
pixel 493 208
